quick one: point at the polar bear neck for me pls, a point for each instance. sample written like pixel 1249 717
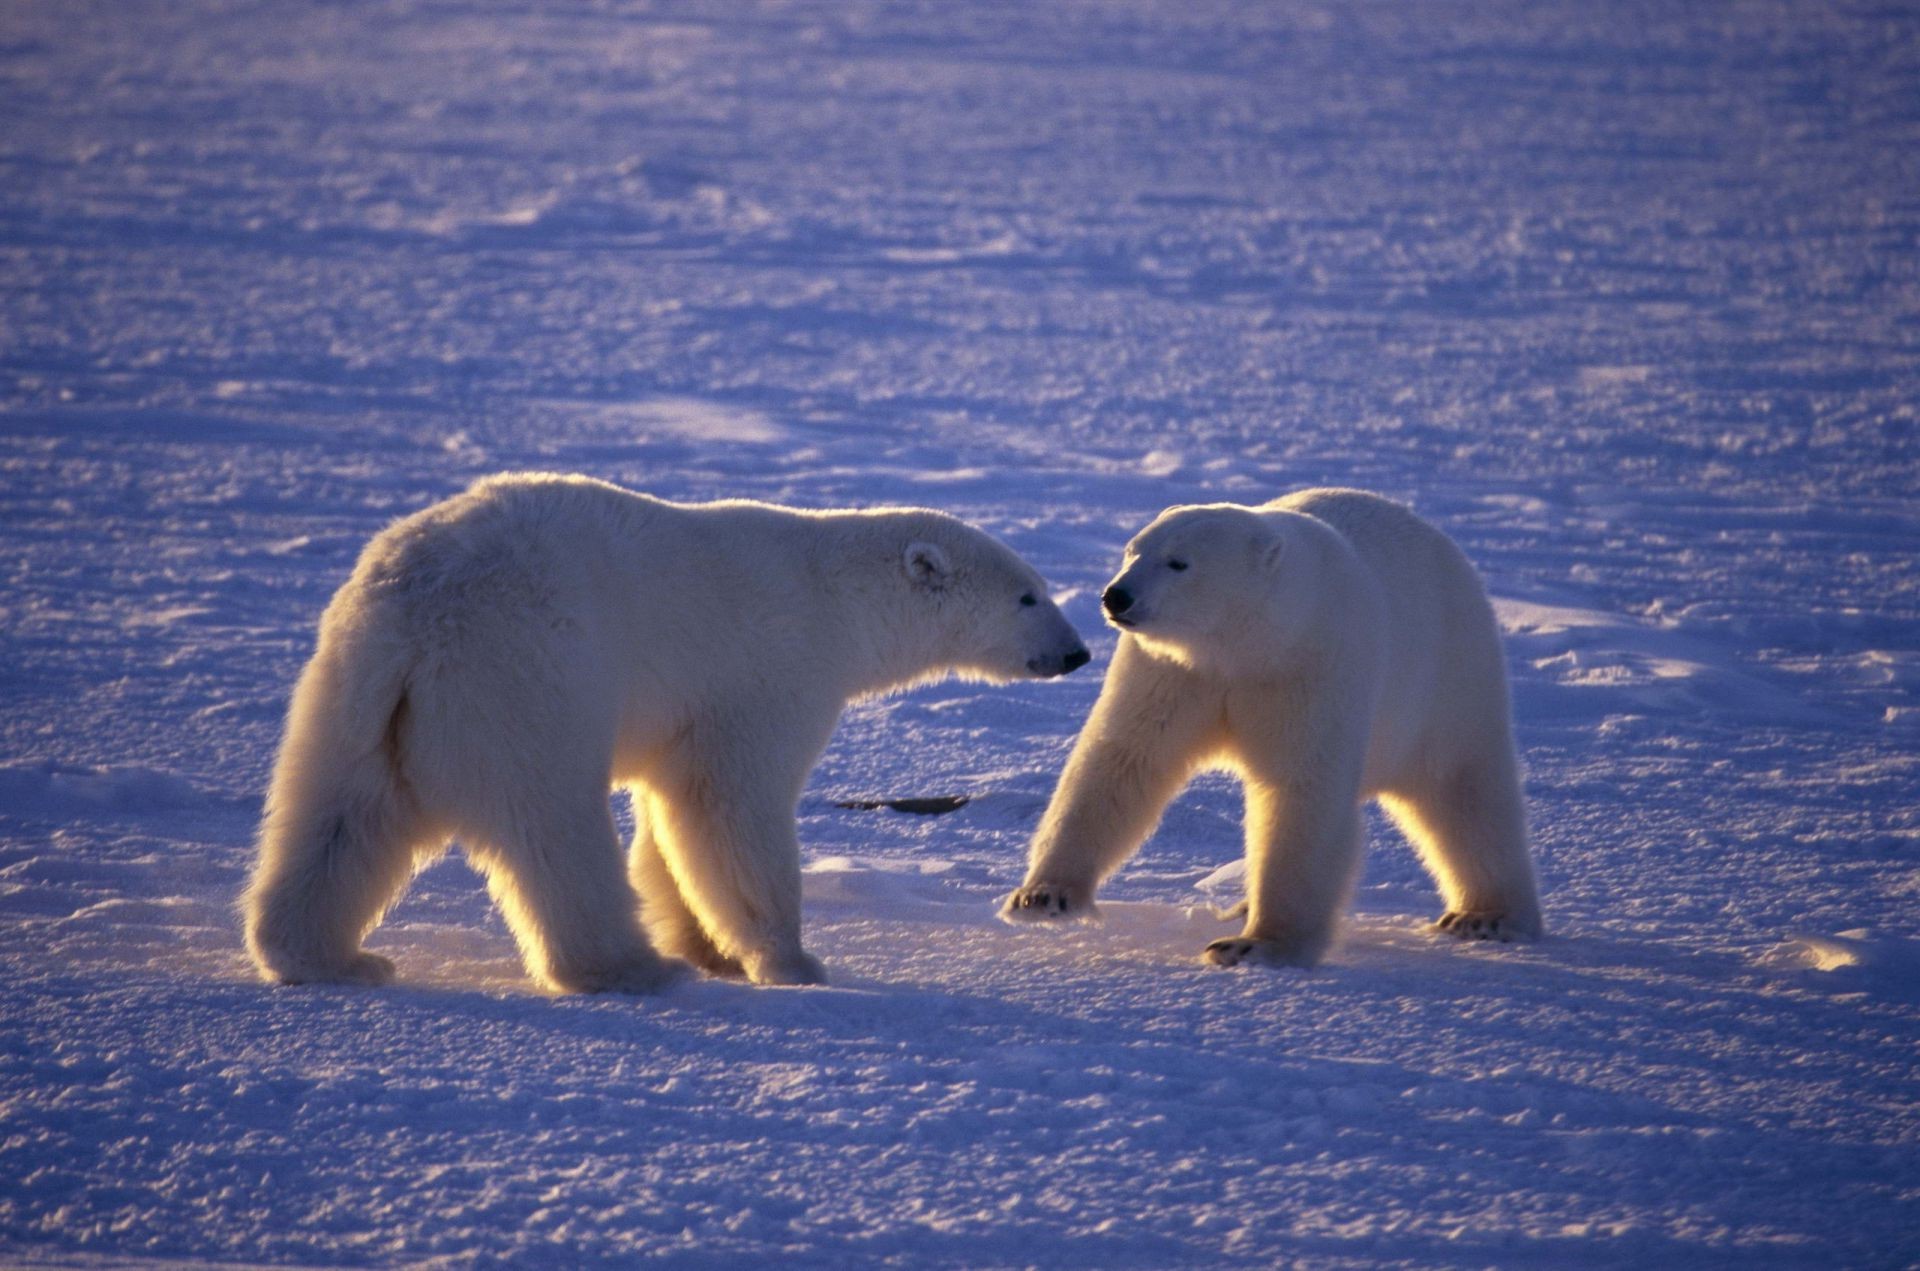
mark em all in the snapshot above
pixel 888 635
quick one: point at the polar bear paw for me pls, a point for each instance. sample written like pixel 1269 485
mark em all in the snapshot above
pixel 1472 924
pixel 695 947
pixel 639 978
pixel 1249 951
pixel 716 963
pixel 1049 902
pixel 367 969
pixel 794 967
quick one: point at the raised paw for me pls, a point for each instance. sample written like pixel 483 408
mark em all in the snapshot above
pixel 1245 950
pixel 1467 924
pixel 1047 902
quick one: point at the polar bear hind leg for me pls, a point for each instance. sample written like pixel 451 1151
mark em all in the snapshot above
pixel 341 837
pixel 326 878
pixel 1469 827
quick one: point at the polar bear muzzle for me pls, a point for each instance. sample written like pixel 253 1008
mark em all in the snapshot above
pixel 1051 666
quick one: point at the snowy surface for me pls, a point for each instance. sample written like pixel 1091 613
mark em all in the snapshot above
pixel 1625 296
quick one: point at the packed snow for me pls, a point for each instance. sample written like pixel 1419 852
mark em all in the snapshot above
pixel 1624 296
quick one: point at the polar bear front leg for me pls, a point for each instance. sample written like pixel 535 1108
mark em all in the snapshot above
pixel 1153 724
pixel 554 868
pixel 731 846
pixel 672 924
pixel 1302 853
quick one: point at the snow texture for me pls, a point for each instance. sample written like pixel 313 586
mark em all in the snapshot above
pixel 1624 296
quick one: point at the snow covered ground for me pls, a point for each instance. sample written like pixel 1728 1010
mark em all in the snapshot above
pixel 1624 295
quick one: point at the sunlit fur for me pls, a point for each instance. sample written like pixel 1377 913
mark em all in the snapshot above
pixel 498 661
pixel 1328 647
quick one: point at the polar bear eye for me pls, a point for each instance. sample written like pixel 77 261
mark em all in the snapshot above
pixel 1028 600
pixel 1176 564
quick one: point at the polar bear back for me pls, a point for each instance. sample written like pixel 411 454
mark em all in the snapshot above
pixel 1441 674
pixel 642 614
pixel 531 570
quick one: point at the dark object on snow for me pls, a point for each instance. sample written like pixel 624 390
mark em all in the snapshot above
pixel 933 805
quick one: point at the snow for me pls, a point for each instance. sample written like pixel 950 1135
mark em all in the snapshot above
pixel 1626 296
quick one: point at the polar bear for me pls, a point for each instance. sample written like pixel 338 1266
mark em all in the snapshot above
pixel 498 661
pixel 1329 647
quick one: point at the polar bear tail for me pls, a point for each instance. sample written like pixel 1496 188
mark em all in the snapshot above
pixel 336 843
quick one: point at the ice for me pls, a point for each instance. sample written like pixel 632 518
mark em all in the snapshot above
pixel 62 790
pixel 1856 960
pixel 1623 296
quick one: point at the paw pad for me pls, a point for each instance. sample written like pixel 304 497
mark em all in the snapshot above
pixel 1043 902
pixel 1466 925
pixel 1228 952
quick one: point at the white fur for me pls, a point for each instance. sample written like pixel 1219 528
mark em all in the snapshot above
pixel 1329 647
pixel 498 661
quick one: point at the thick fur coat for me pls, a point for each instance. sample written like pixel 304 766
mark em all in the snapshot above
pixel 1329 647
pixel 498 661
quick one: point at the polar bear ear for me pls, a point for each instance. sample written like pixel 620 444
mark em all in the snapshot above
pixel 926 566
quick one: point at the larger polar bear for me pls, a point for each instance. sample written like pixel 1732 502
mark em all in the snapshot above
pixel 498 661
pixel 1329 647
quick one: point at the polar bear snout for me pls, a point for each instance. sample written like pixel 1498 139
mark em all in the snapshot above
pixel 1121 607
pixel 1052 646
pixel 1051 665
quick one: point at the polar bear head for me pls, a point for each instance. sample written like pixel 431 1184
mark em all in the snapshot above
pixel 986 609
pixel 1206 586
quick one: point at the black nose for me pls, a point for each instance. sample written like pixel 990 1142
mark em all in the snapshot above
pixel 1075 660
pixel 1117 599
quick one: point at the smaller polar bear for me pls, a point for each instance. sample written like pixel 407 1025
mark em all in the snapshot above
pixel 498 661
pixel 1329 647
